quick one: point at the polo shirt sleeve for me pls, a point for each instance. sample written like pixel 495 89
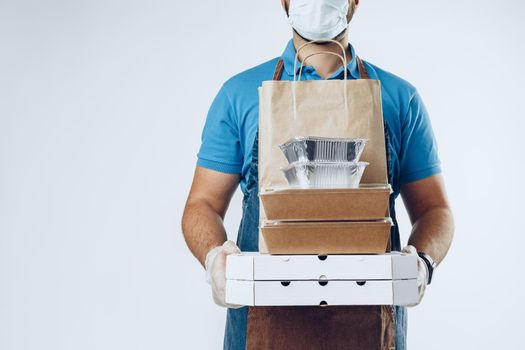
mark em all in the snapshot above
pixel 220 148
pixel 419 153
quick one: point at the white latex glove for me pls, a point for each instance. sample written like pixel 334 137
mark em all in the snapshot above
pixel 215 266
pixel 422 276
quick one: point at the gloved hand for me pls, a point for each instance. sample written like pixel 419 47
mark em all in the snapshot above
pixel 422 276
pixel 215 266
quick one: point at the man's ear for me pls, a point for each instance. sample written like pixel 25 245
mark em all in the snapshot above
pixel 284 3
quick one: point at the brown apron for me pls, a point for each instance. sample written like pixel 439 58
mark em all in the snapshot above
pixel 315 327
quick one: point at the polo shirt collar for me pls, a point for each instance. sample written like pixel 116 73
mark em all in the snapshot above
pixel 288 57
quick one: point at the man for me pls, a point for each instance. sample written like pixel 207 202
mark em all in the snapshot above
pixel 228 157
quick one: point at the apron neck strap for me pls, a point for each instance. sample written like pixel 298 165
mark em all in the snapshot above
pixel 278 70
pixel 362 69
pixel 363 73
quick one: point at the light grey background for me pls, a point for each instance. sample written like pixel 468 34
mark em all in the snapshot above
pixel 101 109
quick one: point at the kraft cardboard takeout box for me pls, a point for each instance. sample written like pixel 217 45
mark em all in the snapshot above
pixel 265 280
pixel 367 202
pixel 333 237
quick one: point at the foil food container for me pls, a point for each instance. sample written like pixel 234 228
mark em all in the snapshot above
pixel 324 174
pixel 321 149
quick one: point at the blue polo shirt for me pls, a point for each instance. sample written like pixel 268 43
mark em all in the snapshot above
pixel 232 121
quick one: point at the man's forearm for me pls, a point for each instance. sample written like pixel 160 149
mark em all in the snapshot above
pixel 203 229
pixel 432 233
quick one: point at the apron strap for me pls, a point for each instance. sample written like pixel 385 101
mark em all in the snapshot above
pixel 278 70
pixel 362 69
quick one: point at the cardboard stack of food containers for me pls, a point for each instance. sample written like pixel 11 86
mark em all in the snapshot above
pixel 324 235
pixel 323 210
pixel 324 225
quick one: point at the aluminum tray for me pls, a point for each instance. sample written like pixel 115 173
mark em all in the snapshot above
pixel 321 149
pixel 324 174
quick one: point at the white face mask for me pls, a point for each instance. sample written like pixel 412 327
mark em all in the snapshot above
pixel 318 19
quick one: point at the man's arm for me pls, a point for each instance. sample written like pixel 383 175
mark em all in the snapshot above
pixel 202 221
pixel 431 217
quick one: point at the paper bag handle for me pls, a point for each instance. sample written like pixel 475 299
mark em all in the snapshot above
pixel 343 59
pixel 322 53
pixel 300 48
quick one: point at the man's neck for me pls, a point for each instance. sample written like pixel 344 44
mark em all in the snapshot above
pixel 325 65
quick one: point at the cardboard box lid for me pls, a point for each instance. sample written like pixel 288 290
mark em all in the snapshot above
pixel 311 293
pixel 368 188
pixel 341 223
pixel 263 267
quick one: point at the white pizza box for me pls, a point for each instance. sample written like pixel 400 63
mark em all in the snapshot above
pixel 264 267
pixel 311 293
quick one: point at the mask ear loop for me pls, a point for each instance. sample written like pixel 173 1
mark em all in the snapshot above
pixel 298 78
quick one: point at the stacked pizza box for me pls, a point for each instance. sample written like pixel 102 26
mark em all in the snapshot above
pixel 326 234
